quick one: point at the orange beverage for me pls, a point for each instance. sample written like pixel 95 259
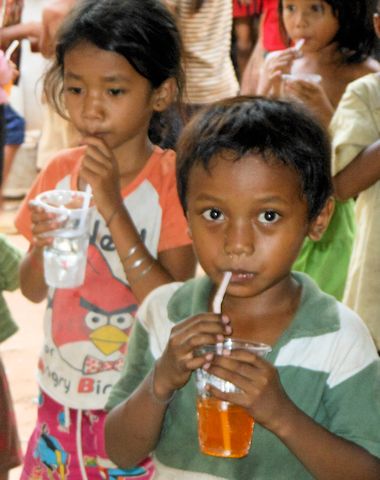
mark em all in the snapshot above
pixel 224 429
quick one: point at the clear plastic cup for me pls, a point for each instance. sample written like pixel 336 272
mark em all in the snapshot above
pixel 224 429
pixel 65 260
pixel 308 77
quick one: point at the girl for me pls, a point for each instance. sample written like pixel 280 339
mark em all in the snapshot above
pixel 355 130
pixel 114 66
pixel 334 42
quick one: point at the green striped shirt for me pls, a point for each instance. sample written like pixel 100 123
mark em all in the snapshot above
pixel 326 360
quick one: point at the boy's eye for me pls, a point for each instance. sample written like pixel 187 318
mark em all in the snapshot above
pixel 213 214
pixel 269 216
pixel 114 92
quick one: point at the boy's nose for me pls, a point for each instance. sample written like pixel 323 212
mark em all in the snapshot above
pixel 239 240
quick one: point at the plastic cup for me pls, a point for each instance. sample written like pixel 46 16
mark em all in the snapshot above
pixel 224 429
pixel 65 259
pixel 308 77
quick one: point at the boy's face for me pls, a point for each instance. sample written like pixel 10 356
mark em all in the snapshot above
pixel 246 216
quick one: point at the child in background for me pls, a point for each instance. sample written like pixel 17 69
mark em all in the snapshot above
pixel 355 130
pixel 337 42
pixel 254 179
pixel 10 450
pixel 245 29
pixel 206 29
pixel 115 65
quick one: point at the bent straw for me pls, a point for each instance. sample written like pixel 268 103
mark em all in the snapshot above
pixel 217 308
pixel 85 205
pixel 299 44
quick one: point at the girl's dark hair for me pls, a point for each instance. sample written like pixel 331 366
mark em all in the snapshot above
pixel 355 36
pixel 276 130
pixel 142 31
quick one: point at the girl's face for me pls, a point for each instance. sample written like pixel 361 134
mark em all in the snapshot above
pixel 312 20
pixel 247 216
pixel 105 96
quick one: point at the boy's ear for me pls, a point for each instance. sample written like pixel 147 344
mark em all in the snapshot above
pixel 319 225
pixel 376 24
pixel 164 95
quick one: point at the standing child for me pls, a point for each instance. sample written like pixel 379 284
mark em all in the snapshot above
pixel 254 180
pixel 355 130
pixel 115 65
pixel 10 450
pixel 334 42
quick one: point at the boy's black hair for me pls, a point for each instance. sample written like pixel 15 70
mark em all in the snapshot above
pixel 142 31
pixel 355 36
pixel 274 129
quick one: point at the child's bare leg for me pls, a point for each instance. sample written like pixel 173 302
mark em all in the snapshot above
pixel 9 155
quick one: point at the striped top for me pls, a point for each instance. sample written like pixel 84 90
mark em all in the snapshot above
pixel 206 36
pixel 326 361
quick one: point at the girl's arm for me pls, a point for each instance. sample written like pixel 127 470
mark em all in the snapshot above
pixel 32 281
pixel 143 272
pixel 362 172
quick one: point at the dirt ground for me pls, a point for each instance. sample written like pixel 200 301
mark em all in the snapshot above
pixel 20 352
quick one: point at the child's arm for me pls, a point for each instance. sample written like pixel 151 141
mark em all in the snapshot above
pixel 362 172
pixel 9 263
pixel 5 70
pixel 32 281
pixel 313 96
pixel 324 454
pixel 275 65
pixel 132 429
pixel 144 273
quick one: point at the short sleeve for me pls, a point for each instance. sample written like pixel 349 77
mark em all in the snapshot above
pixel 138 363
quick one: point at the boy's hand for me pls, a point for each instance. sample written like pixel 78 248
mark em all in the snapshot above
pixel 99 169
pixel 180 357
pixel 261 391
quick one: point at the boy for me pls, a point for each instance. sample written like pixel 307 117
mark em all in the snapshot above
pixel 254 179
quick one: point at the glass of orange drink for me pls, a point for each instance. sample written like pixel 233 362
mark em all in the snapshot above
pixel 224 429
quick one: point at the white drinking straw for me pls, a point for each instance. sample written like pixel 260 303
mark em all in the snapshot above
pixel 299 44
pixel 218 299
pixel 12 47
pixel 85 205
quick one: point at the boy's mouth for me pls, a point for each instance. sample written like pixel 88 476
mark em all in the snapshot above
pixel 239 276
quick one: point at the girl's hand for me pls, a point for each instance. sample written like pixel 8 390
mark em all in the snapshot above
pixel 275 64
pixel 99 168
pixel 180 357
pixel 313 95
pixel 261 391
pixel 42 223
